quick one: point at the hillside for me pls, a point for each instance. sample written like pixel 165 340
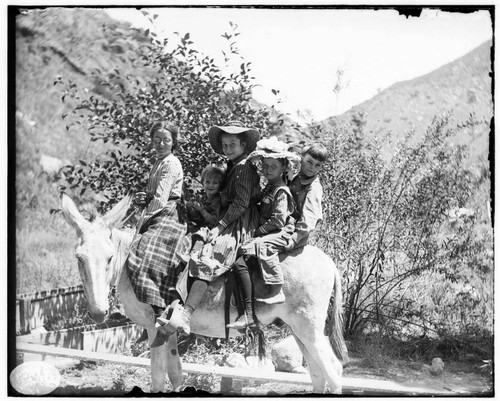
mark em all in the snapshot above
pixel 53 43
pixel 462 87
pixel 67 43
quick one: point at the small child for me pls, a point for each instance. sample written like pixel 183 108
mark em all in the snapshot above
pixel 206 215
pixel 274 231
pixel 307 193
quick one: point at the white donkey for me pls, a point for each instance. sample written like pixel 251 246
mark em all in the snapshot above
pixel 311 278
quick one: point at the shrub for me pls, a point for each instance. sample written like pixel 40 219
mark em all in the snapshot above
pixel 388 228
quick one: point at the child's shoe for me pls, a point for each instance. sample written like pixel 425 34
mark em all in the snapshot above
pixel 242 323
pixel 275 296
pixel 180 320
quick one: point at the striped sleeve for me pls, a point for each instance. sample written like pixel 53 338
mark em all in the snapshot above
pixel 163 183
pixel 243 181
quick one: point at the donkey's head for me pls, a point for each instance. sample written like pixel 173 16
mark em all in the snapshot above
pixel 95 252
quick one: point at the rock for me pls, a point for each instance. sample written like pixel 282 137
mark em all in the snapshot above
pixel 262 365
pixel 437 367
pixel 300 370
pixel 51 165
pixel 286 355
pixel 236 360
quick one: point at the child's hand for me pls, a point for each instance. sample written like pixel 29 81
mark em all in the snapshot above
pixel 247 242
pixel 197 206
pixel 214 233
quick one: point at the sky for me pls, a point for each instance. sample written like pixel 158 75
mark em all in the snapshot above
pixel 301 52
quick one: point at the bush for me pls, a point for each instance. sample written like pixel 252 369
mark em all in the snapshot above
pixel 389 228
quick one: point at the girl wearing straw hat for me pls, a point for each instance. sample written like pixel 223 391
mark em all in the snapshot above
pixel 240 193
pixel 276 226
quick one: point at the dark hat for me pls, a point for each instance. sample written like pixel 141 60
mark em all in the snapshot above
pixel 234 128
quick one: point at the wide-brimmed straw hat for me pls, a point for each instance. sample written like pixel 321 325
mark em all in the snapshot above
pixel 276 149
pixel 233 128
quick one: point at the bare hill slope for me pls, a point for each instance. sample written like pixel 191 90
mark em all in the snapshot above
pixel 463 87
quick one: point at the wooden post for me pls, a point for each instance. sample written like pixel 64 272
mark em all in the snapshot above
pixel 25 314
pixel 226 385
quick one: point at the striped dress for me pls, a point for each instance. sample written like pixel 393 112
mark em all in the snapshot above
pixel 240 220
pixel 153 265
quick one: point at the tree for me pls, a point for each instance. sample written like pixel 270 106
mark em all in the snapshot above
pixel 184 87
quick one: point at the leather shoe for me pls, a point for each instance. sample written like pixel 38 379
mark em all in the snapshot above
pixel 241 323
pixel 273 299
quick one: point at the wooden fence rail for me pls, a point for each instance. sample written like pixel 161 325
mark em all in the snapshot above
pixel 357 386
pixel 33 309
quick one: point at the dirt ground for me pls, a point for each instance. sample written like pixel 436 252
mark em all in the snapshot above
pixel 457 379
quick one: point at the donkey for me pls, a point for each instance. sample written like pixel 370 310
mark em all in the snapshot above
pixel 311 278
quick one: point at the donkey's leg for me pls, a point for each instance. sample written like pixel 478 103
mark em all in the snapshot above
pixel 317 376
pixel 158 363
pixel 174 367
pixel 321 351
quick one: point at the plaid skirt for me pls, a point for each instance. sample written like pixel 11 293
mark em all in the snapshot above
pixel 152 264
pixel 213 260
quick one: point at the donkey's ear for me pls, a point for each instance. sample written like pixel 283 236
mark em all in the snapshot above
pixel 72 215
pixel 116 215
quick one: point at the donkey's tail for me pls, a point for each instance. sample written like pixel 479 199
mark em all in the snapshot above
pixel 336 321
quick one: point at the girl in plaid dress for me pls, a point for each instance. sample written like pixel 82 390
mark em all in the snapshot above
pixel 152 264
pixel 239 195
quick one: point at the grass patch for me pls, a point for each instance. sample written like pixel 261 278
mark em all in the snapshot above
pixel 45 258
